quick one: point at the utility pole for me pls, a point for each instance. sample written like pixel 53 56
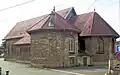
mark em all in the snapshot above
pixel 110 62
pixel 119 17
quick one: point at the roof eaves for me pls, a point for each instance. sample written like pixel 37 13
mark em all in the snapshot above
pixel 15 37
pixel 23 44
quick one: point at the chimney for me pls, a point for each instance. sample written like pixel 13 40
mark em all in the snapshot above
pixel 52 15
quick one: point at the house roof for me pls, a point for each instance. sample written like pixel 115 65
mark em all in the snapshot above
pixel 24 40
pixel 19 30
pixel 93 24
pixel 59 24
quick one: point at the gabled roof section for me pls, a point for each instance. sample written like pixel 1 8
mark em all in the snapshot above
pixel 64 12
pixel 71 13
pixel 19 30
pixel 59 24
pixel 93 24
pixel 24 40
pixel 103 27
pixel 84 22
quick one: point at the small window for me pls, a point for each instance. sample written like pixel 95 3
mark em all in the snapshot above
pixel 82 45
pixel 28 49
pixel 72 60
pixel 71 44
pixel 8 49
pixel 100 46
pixel 113 45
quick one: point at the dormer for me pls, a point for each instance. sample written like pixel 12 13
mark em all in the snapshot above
pixel 71 14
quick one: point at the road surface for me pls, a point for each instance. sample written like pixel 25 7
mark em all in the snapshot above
pixel 25 69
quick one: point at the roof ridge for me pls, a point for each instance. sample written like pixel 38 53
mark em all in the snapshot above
pixel 64 9
pixel 45 22
pixel 92 21
pixel 11 30
pixel 85 13
pixel 87 21
pixel 68 12
pixel 45 14
pixel 37 22
pixel 68 22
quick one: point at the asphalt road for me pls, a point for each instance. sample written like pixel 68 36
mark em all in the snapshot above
pixel 87 70
pixel 25 69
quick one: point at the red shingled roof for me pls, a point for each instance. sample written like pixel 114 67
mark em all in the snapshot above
pixel 92 24
pixel 21 27
pixel 59 23
pixel 24 40
pixel 19 30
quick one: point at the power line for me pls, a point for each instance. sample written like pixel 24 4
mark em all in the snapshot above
pixel 16 5
pixel 101 0
pixel 92 5
pixel 113 3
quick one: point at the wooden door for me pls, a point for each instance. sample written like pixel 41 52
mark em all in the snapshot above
pixel 85 61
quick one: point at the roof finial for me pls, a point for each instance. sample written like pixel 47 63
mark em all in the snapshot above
pixel 94 9
pixel 54 9
pixel 51 23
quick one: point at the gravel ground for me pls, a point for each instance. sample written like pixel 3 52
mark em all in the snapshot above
pixel 24 69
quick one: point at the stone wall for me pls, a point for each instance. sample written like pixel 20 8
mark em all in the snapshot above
pixel 16 52
pixel 23 52
pixel 51 48
pixel 100 54
pixel 9 52
pixel 88 44
pixel 97 48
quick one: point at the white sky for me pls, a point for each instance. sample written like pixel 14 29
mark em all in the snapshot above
pixel 108 9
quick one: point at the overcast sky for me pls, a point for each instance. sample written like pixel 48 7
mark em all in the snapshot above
pixel 108 9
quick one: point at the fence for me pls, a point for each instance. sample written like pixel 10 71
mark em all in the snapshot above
pixel 7 72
